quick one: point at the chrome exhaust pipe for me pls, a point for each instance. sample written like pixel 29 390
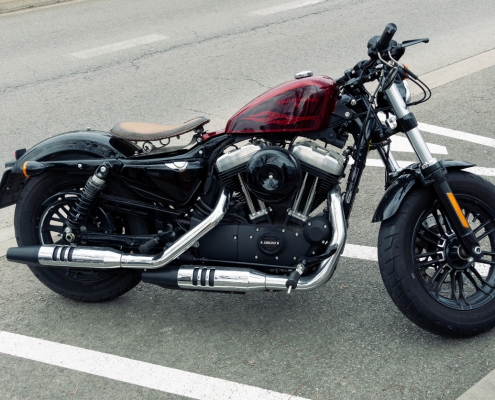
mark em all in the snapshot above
pixel 227 279
pixel 98 258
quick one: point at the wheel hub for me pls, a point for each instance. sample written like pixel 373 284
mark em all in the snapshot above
pixel 453 255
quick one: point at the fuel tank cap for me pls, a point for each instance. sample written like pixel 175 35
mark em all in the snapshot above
pixel 303 74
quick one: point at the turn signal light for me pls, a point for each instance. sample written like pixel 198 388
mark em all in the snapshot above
pixel 32 168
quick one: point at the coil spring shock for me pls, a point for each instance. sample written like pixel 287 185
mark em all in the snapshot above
pixel 86 200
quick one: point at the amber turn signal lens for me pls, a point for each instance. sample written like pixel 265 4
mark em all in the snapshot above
pixel 32 168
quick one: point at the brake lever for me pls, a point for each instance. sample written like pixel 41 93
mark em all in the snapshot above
pixel 412 42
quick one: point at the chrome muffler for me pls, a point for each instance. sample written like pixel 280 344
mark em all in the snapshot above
pixel 228 279
pixel 98 258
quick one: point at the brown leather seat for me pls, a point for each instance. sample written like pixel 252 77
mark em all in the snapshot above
pixel 145 131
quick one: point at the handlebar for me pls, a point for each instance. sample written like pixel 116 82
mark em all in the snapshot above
pixel 386 37
pixel 380 47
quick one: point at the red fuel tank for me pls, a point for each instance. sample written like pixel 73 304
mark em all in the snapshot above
pixel 298 106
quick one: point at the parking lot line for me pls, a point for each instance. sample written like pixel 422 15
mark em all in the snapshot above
pixel 469 137
pixel 286 7
pixel 152 376
pixel 127 44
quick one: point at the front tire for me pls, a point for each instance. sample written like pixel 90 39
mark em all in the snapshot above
pixel 420 263
pixel 40 218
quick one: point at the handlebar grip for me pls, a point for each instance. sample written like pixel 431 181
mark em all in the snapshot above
pixel 386 37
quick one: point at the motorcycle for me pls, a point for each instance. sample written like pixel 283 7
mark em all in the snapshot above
pixel 258 206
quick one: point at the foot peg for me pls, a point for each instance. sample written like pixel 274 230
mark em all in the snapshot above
pixel 295 276
pixel 162 237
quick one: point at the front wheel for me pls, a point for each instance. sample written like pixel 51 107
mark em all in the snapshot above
pixel 421 266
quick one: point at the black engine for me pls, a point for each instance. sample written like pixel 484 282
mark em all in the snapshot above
pixel 278 189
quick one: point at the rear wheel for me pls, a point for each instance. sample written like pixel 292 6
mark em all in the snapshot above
pixel 421 266
pixel 40 217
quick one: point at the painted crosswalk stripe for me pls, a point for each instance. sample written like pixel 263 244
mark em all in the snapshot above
pixel 170 380
pixel 286 7
pixel 402 144
pixel 481 171
pixel 469 137
pixel 360 252
pixel 111 48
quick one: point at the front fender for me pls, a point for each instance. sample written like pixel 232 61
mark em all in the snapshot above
pixel 397 191
pixel 76 145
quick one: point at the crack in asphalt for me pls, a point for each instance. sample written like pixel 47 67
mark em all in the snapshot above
pixel 150 54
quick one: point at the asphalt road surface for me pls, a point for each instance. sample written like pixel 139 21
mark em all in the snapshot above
pixel 345 340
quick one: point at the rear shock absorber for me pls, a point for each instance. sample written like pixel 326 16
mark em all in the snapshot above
pixel 85 201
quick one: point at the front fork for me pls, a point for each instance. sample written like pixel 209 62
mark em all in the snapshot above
pixel 435 173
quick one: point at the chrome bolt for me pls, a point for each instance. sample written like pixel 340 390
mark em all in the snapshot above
pixel 353 102
pixel 294 258
pixel 297 234
pixel 79 166
pixel 103 169
pixel 309 223
pixel 477 250
pixel 256 257
pixel 324 227
pixel 470 259
pixel 347 114
pixel 235 237
pixel 283 230
pixel 250 236
pixel 200 152
pixel 257 229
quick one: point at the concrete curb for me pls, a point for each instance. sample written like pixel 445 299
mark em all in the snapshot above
pixel 15 5
pixel 484 389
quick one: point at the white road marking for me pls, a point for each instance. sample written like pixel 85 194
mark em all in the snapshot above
pixel 360 252
pixel 375 162
pixel 482 171
pixel 286 7
pixel 469 137
pixel 157 377
pixel 127 44
pixel 402 144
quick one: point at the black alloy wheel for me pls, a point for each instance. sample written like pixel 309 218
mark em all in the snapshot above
pixel 422 266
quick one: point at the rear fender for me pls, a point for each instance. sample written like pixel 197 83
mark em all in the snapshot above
pixel 78 145
pixel 397 191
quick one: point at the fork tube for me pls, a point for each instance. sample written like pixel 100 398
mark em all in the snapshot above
pixel 414 135
pixel 435 170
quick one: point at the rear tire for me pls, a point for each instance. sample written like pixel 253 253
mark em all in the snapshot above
pixel 420 266
pixel 49 196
